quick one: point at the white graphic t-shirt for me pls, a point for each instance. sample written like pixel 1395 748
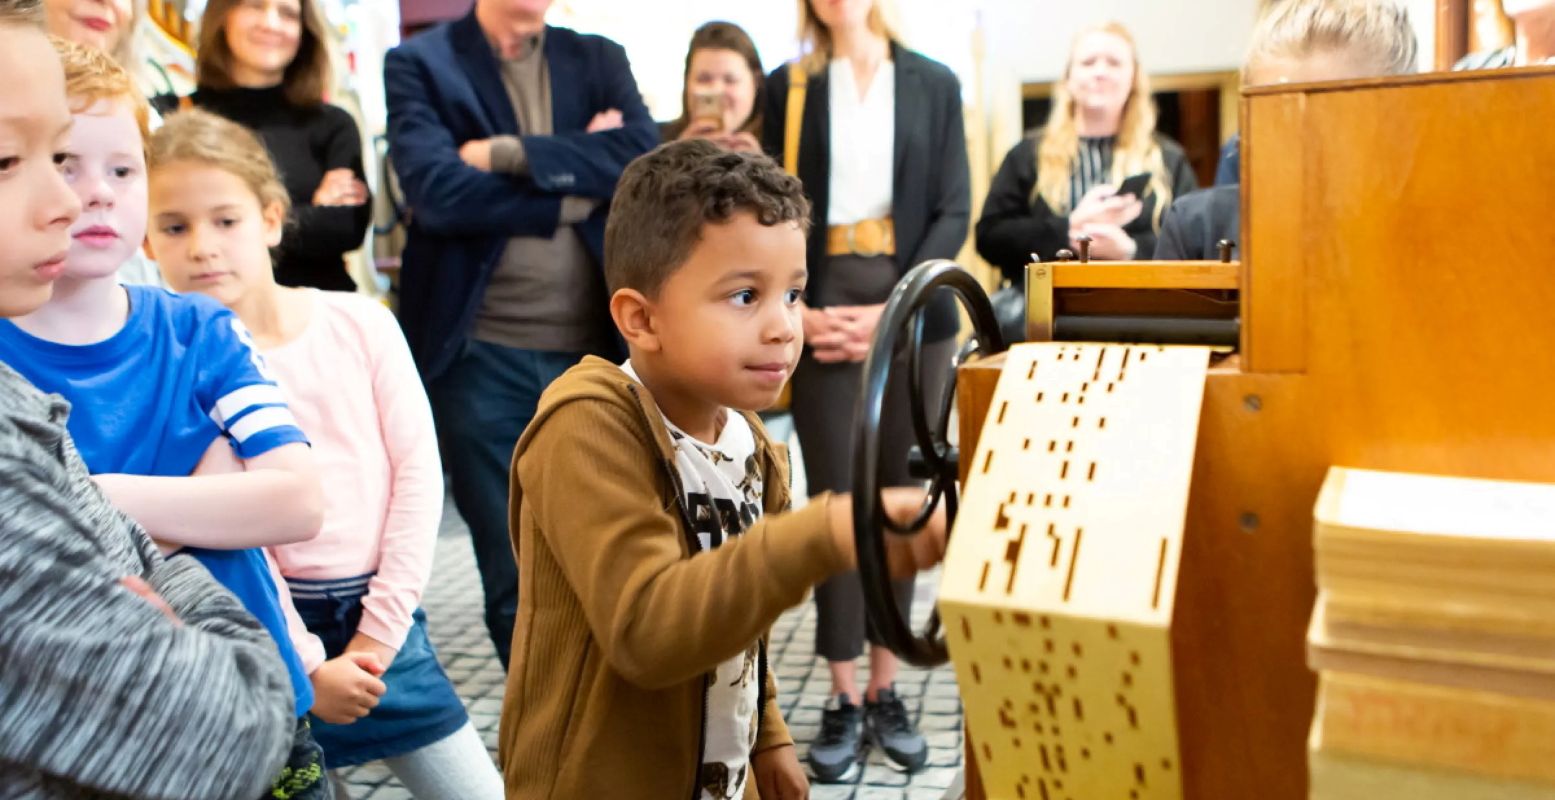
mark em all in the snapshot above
pixel 723 495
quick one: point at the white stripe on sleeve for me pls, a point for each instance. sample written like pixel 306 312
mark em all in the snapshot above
pixel 240 400
pixel 262 420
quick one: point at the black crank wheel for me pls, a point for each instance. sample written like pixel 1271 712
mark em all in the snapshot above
pixel 901 325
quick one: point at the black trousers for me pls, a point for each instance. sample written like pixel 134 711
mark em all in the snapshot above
pixel 824 396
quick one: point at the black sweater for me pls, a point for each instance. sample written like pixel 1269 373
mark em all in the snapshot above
pixel 1011 228
pixel 305 143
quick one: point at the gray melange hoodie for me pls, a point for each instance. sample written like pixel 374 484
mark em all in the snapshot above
pixel 100 694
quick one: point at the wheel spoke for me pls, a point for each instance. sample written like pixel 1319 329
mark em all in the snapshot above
pixel 902 323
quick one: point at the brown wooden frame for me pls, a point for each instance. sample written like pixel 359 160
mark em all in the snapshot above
pixel 1452 32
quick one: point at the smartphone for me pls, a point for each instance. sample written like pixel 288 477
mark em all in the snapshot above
pixel 1135 185
pixel 708 106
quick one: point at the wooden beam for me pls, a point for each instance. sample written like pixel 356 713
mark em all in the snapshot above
pixel 1452 32
pixel 1147 275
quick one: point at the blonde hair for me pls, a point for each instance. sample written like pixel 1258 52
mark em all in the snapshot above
pixel 1136 150
pixel 1375 34
pixel 92 76
pixel 815 40
pixel 202 138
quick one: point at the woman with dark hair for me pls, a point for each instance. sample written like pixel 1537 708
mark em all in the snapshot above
pixel 265 64
pixel 875 132
pixel 725 90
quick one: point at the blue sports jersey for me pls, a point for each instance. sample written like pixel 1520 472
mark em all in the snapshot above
pixel 152 398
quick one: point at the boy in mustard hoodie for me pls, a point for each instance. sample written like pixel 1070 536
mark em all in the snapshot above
pixel 649 506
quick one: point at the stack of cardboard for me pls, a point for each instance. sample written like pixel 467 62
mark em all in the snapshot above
pixel 1433 639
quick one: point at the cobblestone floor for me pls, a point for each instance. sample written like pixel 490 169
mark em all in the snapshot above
pixel 453 604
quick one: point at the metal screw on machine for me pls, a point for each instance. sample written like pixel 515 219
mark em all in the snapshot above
pixel 1084 240
pixel 1225 246
pixel 1039 299
pixel 1065 255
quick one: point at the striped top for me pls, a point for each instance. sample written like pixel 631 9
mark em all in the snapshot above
pixel 100 694
pixel 181 373
pixel 1499 58
pixel 1092 166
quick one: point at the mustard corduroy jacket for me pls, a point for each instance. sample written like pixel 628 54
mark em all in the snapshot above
pixel 619 625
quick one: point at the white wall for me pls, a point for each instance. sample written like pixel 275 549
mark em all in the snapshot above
pixel 1025 39
pixel 1028 41
pixel 1020 41
pixel 1422 14
pixel 655 36
pixel 1174 36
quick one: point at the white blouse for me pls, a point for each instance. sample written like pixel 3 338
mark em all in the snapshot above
pixel 863 144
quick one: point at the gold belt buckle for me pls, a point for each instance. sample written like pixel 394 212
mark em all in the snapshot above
pixel 880 237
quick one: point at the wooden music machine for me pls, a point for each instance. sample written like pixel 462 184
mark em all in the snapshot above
pixel 1129 581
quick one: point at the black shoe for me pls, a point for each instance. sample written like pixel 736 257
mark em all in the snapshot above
pixel 888 727
pixel 834 755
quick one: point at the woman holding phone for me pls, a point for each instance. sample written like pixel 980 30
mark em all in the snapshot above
pixel 724 92
pixel 1065 180
pixel 875 132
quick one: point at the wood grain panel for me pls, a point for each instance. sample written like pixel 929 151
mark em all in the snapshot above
pixel 1147 275
pixel 1274 323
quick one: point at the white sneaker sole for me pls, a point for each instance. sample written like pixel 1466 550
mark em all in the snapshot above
pixel 849 776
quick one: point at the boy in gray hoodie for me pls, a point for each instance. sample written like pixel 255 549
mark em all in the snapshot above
pixel 122 674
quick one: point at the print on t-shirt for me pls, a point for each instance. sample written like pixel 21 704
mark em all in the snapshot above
pixel 723 486
pixel 714 518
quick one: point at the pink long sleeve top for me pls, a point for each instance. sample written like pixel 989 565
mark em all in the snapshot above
pixel 355 391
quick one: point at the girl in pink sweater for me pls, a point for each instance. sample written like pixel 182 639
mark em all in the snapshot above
pixel 217 209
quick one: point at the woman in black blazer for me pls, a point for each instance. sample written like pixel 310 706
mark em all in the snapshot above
pixel 881 150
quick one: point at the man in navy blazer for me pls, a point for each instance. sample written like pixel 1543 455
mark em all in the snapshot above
pixel 508 136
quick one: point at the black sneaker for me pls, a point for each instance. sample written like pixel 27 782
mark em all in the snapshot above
pixel 888 727
pixel 834 755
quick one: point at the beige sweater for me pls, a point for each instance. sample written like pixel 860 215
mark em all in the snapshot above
pixel 618 625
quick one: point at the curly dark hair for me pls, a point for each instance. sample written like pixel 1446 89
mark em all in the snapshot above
pixel 665 197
